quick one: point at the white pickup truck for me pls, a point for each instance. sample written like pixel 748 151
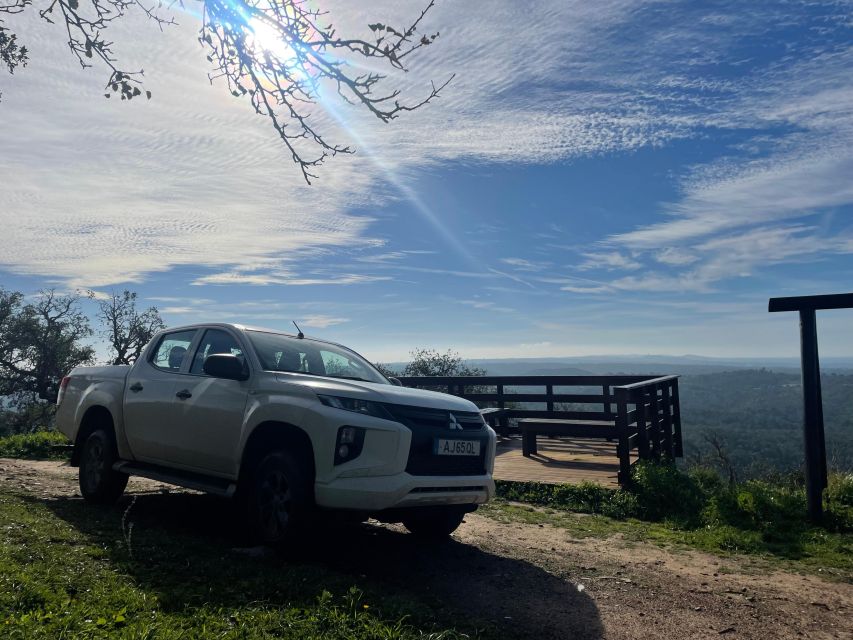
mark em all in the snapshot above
pixel 286 424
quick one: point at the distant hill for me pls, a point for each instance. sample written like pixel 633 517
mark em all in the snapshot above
pixel 641 365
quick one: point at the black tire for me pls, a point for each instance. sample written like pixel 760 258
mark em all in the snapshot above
pixel 279 499
pixel 99 484
pixel 434 523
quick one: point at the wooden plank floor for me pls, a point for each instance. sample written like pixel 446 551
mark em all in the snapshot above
pixel 559 461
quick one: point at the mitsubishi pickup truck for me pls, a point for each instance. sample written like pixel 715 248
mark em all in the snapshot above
pixel 286 425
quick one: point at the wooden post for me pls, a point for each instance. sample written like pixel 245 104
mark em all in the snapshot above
pixel 676 418
pixel 642 430
pixel 654 422
pixel 667 422
pixel 813 435
pixel 623 450
pixel 502 421
pixel 549 392
pixel 812 415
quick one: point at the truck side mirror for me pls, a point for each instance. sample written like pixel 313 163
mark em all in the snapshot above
pixel 225 365
pixel 395 381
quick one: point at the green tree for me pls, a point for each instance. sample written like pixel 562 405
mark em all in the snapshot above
pixel 429 362
pixel 126 329
pixel 40 342
pixel 277 54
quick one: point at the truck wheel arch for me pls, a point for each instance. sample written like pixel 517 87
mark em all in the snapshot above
pixel 96 417
pixel 272 435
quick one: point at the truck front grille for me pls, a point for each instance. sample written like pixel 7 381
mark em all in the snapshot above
pixel 437 418
pixel 427 425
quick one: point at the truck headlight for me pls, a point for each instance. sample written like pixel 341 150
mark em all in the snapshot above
pixel 364 407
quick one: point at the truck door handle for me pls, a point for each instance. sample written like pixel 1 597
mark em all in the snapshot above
pixel 183 394
pixel 135 387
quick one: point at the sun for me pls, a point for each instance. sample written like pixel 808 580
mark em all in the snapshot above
pixel 267 39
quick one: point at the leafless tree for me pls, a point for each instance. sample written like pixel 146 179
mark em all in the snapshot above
pixel 278 54
pixel 719 455
pixel 126 329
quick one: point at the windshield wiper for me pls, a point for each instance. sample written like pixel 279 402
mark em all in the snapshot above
pixel 352 378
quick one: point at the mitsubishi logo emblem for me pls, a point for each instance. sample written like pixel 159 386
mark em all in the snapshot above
pixel 453 424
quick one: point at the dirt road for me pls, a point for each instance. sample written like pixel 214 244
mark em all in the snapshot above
pixel 537 581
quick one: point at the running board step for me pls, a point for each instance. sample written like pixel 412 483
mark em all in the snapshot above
pixel 186 479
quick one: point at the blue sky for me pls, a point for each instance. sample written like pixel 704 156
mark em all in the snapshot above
pixel 599 178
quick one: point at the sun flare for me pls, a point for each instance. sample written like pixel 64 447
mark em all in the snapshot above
pixel 268 39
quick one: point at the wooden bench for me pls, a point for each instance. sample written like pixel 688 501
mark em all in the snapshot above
pixel 532 427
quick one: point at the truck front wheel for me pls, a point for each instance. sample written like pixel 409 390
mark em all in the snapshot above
pixel 98 482
pixel 279 498
pixel 435 523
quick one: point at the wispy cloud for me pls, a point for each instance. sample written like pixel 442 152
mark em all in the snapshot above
pixel 285 278
pixel 608 260
pixel 323 321
pixel 521 264
pixel 115 192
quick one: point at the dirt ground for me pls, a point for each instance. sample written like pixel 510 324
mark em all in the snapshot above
pixel 538 581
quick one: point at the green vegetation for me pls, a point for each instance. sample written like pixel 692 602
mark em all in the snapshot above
pixel 758 517
pixel 74 570
pixel 43 337
pixel 41 445
pixel 757 415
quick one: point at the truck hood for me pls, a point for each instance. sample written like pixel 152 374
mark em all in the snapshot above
pixel 371 391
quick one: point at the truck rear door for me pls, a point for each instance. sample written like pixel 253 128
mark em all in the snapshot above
pixel 150 416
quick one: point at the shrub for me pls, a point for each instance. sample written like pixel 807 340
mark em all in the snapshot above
pixel 840 489
pixel 40 445
pixel 664 492
pixel 586 497
pixel 839 502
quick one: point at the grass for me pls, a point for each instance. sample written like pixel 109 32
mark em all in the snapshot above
pixel 41 445
pixel 761 518
pixel 68 570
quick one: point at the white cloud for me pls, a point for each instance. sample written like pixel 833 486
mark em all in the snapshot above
pixel 98 192
pixel 609 260
pixel 322 321
pixel 574 288
pixel 524 265
pixel 675 257
pixel 285 278
pixel 769 201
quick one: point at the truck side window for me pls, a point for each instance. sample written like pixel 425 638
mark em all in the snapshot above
pixel 172 349
pixel 214 341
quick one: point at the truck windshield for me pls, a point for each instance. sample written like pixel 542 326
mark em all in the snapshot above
pixel 300 355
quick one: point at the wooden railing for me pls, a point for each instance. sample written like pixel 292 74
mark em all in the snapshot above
pixel 653 426
pixel 643 411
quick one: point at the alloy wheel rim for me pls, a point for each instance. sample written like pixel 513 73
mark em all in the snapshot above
pixel 94 464
pixel 275 505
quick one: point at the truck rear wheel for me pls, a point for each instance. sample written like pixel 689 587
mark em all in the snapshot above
pixel 436 523
pixel 279 498
pixel 99 484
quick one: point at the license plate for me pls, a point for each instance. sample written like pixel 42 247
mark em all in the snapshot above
pixel 457 447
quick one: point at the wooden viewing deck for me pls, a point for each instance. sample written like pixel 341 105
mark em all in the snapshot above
pixel 572 428
pixel 559 461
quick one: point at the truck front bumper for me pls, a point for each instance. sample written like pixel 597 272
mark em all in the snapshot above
pixel 404 490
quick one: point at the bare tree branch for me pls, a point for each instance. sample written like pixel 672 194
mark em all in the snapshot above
pixel 126 329
pixel 277 53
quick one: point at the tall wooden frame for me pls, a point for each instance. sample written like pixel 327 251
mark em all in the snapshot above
pixel 813 433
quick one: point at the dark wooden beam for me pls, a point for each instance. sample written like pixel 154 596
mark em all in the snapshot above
pixel 813 435
pixel 814 438
pixel 798 303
